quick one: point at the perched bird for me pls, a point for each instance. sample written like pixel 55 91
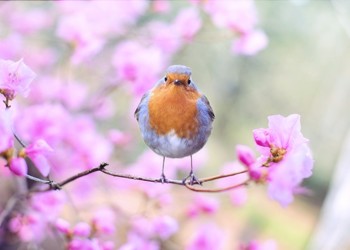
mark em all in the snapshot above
pixel 175 119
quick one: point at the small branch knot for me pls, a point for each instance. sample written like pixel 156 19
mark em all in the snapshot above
pixel 103 165
pixel 55 186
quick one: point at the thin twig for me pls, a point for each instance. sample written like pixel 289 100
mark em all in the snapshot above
pixel 222 176
pixel 33 178
pixel 8 208
pixel 216 190
pixel 19 140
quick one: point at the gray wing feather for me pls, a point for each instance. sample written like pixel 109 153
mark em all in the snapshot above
pixel 210 110
pixel 137 111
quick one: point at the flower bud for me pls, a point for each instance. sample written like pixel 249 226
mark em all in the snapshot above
pixel 262 137
pixel 245 155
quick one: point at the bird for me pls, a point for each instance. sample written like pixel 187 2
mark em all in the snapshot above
pixel 175 118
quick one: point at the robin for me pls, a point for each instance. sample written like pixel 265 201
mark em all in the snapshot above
pixel 175 119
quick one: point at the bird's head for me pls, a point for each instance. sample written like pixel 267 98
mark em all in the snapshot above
pixel 179 76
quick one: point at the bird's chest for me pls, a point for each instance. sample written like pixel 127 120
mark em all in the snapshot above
pixel 174 111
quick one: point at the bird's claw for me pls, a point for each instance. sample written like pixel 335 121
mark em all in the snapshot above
pixel 163 179
pixel 192 180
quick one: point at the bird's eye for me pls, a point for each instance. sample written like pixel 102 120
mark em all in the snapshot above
pixel 165 79
pixel 189 81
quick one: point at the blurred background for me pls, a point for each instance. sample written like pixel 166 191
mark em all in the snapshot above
pixel 304 69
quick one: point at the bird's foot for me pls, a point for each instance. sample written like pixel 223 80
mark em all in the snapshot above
pixel 163 179
pixel 192 180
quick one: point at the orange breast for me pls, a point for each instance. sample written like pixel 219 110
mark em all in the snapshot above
pixel 174 107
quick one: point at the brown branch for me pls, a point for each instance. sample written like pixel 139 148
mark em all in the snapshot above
pixel 59 185
pixel 221 176
pixel 132 177
pixel 102 168
pixel 11 203
pixel 216 190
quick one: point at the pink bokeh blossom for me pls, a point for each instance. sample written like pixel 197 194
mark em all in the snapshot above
pixel 29 228
pixel 75 30
pixel 187 23
pixel 202 204
pixel 238 195
pixel 259 245
pixel 165 226
pixel 82 229
pixel 161 6
pixel 239 16
pixel 139 66
pixel 104 221
pixel 250 43
pixel 206 237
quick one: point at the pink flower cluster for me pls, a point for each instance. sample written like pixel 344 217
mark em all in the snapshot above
pixel 240 17
pixel 84 236
pixel 30 225
pixel 259 245
pixel 285 157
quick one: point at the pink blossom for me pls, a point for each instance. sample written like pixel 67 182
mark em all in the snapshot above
pixel 18 166
pixel 83 244
pixel 259 245
pixel 90 148
pixel 40 93
pixel 142 227
pixel 185 26
pixel 167 42
pixel 49 203
pixel 82 229
pixel 161 6
pixel 119 138
pixel 238 195
pixel 15 78
pixel 29 227
pixel 46 121
pixel 250 43
pixel 104 221
pixel 63 226
pixel 73 95
pixel 202 204
pixel 137 65
pixel 104 108
pixel 38 147
pixel 187 23
pixel 29 21
pixel 76 30
pixel 106 18
pixel 36 152
pixel 288 157
pixel 239 16
pixel 261 137
pixel 206 237
pixel 165 226
pixel 245 155
pixel 135 242
pixel 11 46
pixel 108 245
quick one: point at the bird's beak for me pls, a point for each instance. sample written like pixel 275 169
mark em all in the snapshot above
pixel 177 82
